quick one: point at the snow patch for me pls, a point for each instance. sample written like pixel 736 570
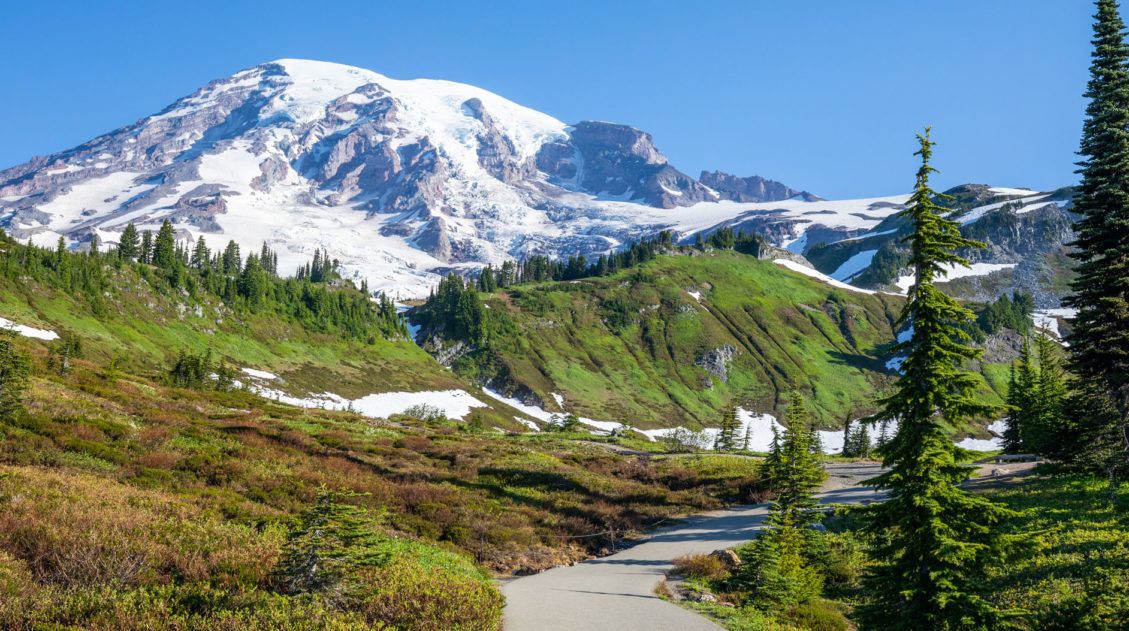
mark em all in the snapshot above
pixel 532 410
pixel 260 374
pixel 28 331
pixel 952 271
pixel 807 271
pixel 758 428
pixel 981 444
pixel 455 404
pixel 854 265
pixel 1047 319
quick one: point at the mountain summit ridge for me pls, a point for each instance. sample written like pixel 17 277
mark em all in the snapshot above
pixel 401 180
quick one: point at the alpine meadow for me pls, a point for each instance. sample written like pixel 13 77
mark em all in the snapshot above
pixel 315 348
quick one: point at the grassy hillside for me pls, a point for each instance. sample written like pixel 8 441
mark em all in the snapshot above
pixel 141 326
pixel 129 504
pixel 635 346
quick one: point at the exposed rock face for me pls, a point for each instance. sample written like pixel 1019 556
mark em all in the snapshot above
pixel 751 189
pixel 619 161
pixel 716 361
pixel 496 152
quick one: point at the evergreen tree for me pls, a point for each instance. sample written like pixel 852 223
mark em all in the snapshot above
pixel 164 247
pixel 201 257
pixel 62 351
pixel 727 431
pixel 332 539
pixel 770 466
pixel 1020 399
pixel 1037 394
pixel 60 260
pixel 231 262
pixel 1099 342
pixel 857 443
pixel 934 540
pixel 253 281
pixel 129 245
pixel 799 473
pixel 780 572
pixel 14 369
pixel 146 247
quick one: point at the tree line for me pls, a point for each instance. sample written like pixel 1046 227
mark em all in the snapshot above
pixel 540 268
pixel 314 297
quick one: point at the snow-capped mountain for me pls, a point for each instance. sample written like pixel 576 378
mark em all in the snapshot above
pixel 399 180
pixel 1026 233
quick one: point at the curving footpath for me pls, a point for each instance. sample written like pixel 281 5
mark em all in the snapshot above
pixel 617 592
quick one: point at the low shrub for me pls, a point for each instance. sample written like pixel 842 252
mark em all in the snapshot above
pixel 701 566
pixel 416 597
pixel 816 615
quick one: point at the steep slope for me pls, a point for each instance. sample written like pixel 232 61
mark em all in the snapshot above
pixel 1027 235
pixel 677 339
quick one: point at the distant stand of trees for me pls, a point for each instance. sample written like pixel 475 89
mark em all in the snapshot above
pixel 537 269
pixel 455 310
pixel 315 298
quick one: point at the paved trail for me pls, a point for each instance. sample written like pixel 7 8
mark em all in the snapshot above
pixel 617 592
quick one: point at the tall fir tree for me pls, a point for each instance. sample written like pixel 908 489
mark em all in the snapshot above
pixel 201 257
pixel 164 247
pixel 799 473
pixel 1099 342
pixel 129 244
pixel 231 261
pixel 1037 393
pixel 1019 384
pixel 934 541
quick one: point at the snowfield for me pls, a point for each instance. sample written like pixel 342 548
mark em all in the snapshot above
pixel 1047 319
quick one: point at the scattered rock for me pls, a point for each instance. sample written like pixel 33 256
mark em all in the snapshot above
pixel 728 557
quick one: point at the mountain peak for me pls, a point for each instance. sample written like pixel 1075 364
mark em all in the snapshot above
pixel 402 180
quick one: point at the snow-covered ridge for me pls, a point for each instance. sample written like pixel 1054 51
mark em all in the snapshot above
pixel 401 180
pixel 404 180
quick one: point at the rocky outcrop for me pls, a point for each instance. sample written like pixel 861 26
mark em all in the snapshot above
pixel 496 152
pixel 619 161
pixel 751 189
pixel 716 361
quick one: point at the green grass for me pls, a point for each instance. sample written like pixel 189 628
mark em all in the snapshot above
pixel 1074 573
pixel 143 329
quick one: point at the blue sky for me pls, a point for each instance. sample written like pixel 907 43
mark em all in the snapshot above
pixel 822 95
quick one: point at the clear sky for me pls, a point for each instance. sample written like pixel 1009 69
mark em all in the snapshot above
pixel 823 95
